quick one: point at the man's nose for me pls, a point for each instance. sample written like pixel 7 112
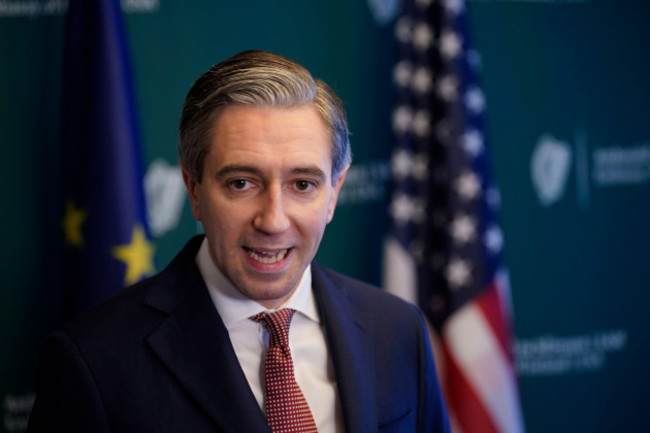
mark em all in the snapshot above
pixel 271 217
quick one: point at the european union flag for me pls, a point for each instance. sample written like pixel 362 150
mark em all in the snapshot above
pixel 106 235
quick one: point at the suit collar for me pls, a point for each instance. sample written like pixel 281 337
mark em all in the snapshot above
pixel 171 286
pixel 194 344
pixel 349 337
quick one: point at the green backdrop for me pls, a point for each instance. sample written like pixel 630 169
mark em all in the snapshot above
pixel 566 88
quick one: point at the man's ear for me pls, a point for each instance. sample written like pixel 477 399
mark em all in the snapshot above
pixel 192 186
pixel 335 192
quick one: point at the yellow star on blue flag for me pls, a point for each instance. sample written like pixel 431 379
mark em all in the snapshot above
pixel 72 222
pixel 137 255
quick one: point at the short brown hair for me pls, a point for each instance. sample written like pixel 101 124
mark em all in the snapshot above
pixel 257 78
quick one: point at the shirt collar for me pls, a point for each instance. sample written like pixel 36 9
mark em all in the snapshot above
pixel 233 306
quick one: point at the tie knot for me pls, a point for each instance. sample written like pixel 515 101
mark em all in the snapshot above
pixel 277 324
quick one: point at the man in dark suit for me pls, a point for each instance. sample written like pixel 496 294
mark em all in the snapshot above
pixel 264 151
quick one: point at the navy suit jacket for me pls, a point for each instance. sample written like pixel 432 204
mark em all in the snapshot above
pixel 157 358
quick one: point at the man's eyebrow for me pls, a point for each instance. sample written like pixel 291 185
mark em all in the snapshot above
pixel 236 168
pixel 231 169
pixel 310 171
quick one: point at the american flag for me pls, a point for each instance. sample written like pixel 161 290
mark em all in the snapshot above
pixel 444 252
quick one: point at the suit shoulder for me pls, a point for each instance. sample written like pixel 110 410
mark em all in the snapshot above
pixel 122 313
pixel 365 294
pixel 143 302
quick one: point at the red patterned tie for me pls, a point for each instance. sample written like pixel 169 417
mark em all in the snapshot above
pixel 286 408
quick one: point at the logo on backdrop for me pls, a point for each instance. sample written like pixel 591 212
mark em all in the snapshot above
pixel 365 183
pixel 16 408
pixel 36 8
pixel 557 355
pixel 550 166
pixel 165 191
pixel 384 11
pixel 617 165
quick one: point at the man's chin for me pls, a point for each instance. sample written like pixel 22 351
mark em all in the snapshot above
pixel 267 288
pixel 273 300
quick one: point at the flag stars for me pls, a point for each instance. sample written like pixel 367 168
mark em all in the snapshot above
pixel 421 125
pixel 493 239
pixel 422 80
pixel 402 73
pixel 402 163
pixel 493 197
pixel 402 119
pixel 468 185
pixel 458 273
pixel 422 37
pixel 405 209
pixel 450 44
pixel 447 88
pixel 472 142
pixel 463 229
pixel 72 222
pixel 405 164
pixel 404 30
pixel 454 7
pixel 475 100
pixel 137 255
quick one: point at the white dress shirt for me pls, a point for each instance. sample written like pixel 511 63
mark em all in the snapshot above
pixel 312 363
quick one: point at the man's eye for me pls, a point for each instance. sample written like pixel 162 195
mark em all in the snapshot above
pixel 303 185
pixel 239 184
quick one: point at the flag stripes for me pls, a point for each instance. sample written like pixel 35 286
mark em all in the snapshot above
pixel 445 250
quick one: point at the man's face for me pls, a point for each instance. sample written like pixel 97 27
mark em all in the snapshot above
pixel 265 197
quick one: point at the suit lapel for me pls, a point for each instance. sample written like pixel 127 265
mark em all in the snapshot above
pixel 350 345
pixel 194 344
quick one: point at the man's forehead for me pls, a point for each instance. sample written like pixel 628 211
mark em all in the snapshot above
pixel 297 137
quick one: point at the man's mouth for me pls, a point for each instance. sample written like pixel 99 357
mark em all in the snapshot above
pixel 267 257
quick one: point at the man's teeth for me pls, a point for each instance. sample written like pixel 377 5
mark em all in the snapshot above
pixel 266 257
